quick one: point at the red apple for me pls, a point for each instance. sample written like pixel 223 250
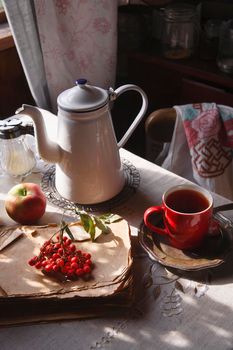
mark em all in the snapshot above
pixel 25 203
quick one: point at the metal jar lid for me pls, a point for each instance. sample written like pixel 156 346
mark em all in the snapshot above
pixel 180 12
pixel 10 128
pixel 82 97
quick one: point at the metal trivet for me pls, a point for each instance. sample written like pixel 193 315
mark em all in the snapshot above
pixel 132 182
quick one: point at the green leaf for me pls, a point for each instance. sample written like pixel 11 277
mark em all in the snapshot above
pixel 90 221
pixel 88 224
pixel 100 224
pixel 92 230
pixel 105 216
pixel 110 218
pixel 85 218
pixel 67 229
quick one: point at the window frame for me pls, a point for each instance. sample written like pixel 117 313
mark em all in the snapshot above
pixel 6 38
pixel 2 15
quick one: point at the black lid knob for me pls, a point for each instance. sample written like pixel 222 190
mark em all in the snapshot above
pixel 81 81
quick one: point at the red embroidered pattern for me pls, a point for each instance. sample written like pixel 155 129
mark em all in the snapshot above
pixel 207 142
pixel 210 158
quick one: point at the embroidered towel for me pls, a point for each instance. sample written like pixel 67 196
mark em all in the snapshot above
pixel 202 146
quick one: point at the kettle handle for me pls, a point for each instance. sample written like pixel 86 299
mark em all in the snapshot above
pixel 139 116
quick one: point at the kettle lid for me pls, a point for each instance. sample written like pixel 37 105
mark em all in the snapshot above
pixel 82 97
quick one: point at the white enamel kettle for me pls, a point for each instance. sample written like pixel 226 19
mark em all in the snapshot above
pixel 82 142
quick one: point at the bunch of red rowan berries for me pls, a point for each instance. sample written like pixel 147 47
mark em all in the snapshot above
pixel 61 256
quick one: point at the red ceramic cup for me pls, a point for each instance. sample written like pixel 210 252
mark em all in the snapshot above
pixel 187 212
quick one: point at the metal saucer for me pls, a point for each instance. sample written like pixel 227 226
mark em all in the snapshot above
pixel 132 181
pixel 212 253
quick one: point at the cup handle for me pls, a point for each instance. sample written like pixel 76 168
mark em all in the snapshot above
pixel 152 210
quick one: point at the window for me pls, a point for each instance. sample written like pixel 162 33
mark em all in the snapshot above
pixel 2 13
pixel 6 39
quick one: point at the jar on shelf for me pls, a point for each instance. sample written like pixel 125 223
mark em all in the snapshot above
pixel 181 31
pixel 209 39
pixel 225 51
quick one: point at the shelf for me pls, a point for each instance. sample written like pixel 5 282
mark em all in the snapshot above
pixel 195 68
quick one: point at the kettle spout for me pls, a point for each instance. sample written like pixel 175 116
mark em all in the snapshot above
pixel 45 124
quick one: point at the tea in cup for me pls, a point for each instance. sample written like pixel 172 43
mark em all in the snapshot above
pixel 187 214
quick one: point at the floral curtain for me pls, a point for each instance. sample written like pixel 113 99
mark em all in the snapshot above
pixel 59 41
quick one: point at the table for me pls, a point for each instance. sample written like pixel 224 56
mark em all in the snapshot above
pixel 175 312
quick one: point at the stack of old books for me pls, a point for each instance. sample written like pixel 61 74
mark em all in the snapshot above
pixel 28 295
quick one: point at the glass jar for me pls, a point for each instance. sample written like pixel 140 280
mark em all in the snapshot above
pixel 209 41
pixel 225 52
pixel 181 31
pixel 16 157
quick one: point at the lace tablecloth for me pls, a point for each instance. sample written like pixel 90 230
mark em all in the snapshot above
pixel 192 310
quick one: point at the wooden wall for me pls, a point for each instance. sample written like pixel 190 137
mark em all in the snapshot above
pixel 14 90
